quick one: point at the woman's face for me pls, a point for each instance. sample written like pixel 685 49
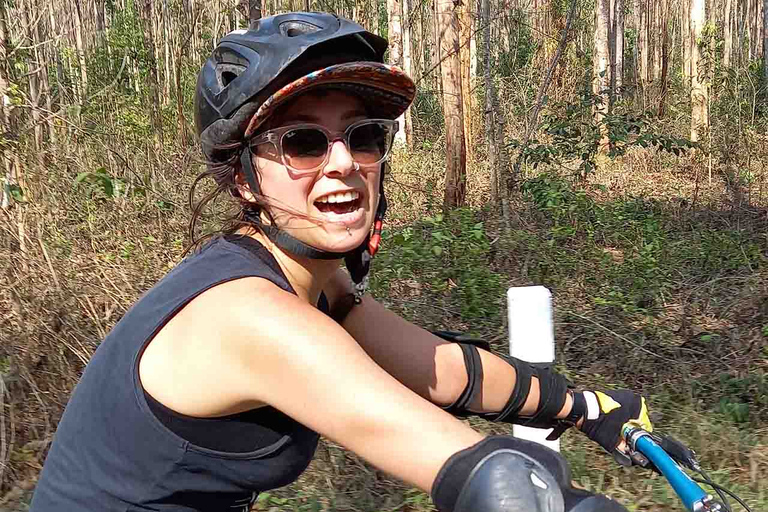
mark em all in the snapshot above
pixel 340 198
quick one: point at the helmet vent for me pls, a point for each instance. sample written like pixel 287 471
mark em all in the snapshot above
pixel 297 28
pixel 226 73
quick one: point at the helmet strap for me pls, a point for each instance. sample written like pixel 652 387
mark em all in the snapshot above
pixel 358 261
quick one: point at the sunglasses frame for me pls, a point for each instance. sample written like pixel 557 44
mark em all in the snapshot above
pixel 275 138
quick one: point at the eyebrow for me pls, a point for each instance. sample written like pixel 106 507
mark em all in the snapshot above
pixel 309 118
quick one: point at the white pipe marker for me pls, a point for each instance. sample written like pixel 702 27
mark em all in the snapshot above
pixel 532 339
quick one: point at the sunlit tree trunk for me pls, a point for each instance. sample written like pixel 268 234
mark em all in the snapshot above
pixel 642 41
pixel 617 46
pixel 699 120
pixel 601 60
pixel 5 166
pixel 437 54
pixel 34 79
pixel 166 55
pixel 664 56
pixel 490 102
pixel 407 62
pixel 146 11
pixel 455 158
pixel 765 40
pixel 465 38
pixel 395 33
pixel 727 33
pixel 687 44
pixel 78 20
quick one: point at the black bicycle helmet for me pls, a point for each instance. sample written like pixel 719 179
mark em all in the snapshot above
pixel 252 72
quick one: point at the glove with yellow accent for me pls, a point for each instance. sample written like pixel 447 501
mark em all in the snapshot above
pixel 606 413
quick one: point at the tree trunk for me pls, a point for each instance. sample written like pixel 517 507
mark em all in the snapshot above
pixel 395 33
pixel 455 158
pixel 407 62
pixel 490 100
pixel 146 11
pixel 601 59
pixel 252 10
pixel 765 40
pixel 78 19
pixel 642 42
pixel 5 125
pixel 465 38
pixel 618 46
pixel 34 81
pixel 166 55
pixel 699 118
pixel 664 56
pixel 437 54
pixel 686 41
pixel 727 33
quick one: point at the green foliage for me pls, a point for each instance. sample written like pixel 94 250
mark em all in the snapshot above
pixel 100 184
pixel 448 254
pixel 575 136
pixel 634 249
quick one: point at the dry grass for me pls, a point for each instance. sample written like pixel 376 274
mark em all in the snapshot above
pixel 73 263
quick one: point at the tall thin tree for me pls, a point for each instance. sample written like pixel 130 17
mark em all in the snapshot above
pixel 601 60
pixel 455 150
pixel 699 99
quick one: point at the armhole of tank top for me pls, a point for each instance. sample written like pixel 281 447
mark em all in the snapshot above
pixel 138 390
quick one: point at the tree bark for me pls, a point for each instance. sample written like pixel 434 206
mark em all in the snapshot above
pixel 437 54
pixel 407 63
pixel 166 55
pixel 686 41
pixel 765 40
pixel 78 19
pixel 491 139
pixel 465 38
pixel 618 46
pixel 253 10
pixel 34 81
pixel 727 33
pixel 699 99
pixel 601 73
pixel 455 158
pixel 146 11
pixel 395 33
pixel 5 125
pixel 642 42
pixel 664 57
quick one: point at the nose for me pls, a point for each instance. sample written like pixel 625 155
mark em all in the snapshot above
pixel 340 160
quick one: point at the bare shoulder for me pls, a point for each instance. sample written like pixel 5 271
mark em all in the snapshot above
pixel 193 364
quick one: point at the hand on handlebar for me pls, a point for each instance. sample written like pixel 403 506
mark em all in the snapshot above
pixel 606 414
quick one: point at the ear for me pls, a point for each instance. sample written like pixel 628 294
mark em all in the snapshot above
pixel 243 188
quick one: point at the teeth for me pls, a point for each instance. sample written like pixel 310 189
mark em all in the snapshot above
pixel 339 197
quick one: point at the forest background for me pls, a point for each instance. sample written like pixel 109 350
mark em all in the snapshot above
pixel 614 151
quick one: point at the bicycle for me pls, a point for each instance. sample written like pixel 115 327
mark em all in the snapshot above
pixel 666 455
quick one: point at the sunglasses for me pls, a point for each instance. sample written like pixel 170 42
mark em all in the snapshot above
pixel 305 148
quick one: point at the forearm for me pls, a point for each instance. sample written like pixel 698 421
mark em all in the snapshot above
pixel 498 382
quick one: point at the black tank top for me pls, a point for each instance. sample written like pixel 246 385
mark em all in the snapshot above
pixel 112 453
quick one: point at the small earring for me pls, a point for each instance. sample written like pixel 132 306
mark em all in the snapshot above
pixel 357 166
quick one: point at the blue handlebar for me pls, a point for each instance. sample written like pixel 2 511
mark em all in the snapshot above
pixel 691 494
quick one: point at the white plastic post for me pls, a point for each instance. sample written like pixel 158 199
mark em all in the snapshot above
pixel 532 339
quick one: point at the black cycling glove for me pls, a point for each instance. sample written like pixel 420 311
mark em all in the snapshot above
pixel 607 412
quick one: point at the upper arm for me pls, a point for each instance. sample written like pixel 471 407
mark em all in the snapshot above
pixel 296 359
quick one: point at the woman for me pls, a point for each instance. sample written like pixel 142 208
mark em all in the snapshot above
pixel 217 383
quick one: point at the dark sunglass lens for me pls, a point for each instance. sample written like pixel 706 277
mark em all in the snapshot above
pixel 369 142
pixel 304 148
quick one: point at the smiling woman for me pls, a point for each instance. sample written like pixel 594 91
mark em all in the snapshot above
pixel 218 382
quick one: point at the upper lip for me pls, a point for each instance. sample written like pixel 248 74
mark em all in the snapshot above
pixel 340 191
